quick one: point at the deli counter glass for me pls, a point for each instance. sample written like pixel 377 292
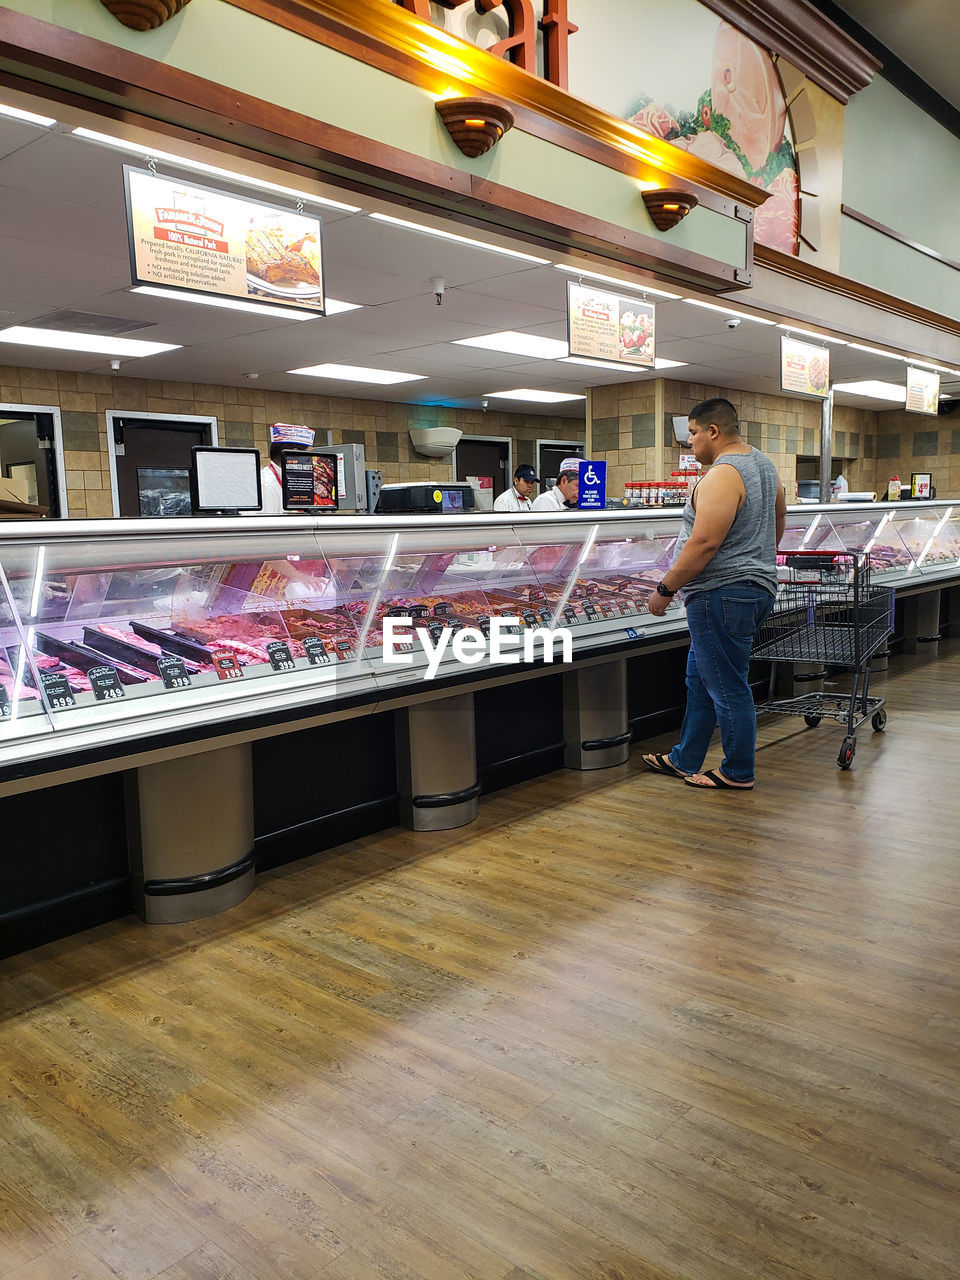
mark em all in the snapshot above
pixel 115 634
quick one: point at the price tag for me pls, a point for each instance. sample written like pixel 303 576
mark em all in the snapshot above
pixel 546 615
pixel 4 703
pixel 58 691
pixel 173 673
pixel 281 659
pixel 316 651
pixel 226 665
pixel 105 683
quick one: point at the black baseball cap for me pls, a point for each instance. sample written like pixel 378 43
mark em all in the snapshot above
pixel 526 472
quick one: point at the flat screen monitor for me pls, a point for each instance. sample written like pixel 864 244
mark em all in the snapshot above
pixel 309 480
pixel 681 428
pixel 225 479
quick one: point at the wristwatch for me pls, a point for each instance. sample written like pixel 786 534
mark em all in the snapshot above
pixel 665 591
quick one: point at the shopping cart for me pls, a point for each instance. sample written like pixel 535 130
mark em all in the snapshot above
pixel 827 610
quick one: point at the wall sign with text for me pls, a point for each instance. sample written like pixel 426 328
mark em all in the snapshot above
pixel 804 368
pixel 184 236
pixel 608 326
pixel 923 391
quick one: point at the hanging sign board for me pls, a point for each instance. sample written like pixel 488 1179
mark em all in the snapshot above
pixel 184 236
pixel 608 326
pixel 923 391
pixel 804 368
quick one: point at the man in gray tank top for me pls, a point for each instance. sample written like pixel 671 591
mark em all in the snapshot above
pixel 725 562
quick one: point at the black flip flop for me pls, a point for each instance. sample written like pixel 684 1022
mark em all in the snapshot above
pixel 719 783
pixel 663 765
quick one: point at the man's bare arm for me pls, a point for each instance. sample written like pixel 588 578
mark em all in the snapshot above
pixel 781 512
pixel 719 496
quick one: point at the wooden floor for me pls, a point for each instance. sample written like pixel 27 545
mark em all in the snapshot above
pixel 615 1029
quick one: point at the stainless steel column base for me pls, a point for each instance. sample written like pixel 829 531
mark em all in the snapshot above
pixel 437 764
pixel 921 623
pixel 190 834
pixel 595 726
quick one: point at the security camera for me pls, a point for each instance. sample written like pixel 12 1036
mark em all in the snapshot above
pixel 484 406
pixel 439 286
pixel 732 322
pixel 251 377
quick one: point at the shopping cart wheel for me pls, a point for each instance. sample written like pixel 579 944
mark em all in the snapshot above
pixel 847 752
pixel 879 720
pixel 812 721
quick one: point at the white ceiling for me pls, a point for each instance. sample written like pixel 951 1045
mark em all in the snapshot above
pixel 63 245
pixel 925 34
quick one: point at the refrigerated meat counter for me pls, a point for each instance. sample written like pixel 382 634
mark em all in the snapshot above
pixel 155 652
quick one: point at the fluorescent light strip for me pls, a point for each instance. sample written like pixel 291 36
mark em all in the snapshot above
pixel 28 117
pixel 877 390
pixel 624 366
pixel 933 537
pixel 727 311
pixel 518 344
pixel 820 337
pixel 449 235
pixel 928 364
pixel 357 373
pixel 534 397
pixel 37 582
pixel 633 286
pixel 876 351
pixel 199 166
pixel 331 305
pixel 94 343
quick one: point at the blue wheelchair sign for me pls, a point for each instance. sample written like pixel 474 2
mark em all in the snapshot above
pixel 592 491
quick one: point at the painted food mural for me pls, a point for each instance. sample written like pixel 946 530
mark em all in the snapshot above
pixel 738 123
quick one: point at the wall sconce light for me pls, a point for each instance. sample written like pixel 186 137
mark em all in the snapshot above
pixel 667 207
pixel 474 124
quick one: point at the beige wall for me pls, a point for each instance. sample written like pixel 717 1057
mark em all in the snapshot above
pixel 243 415
pixel 909 443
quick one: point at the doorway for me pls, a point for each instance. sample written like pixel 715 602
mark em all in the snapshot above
pixel 150 457
pixel 550 453
pixel 485 456
pixel 31 455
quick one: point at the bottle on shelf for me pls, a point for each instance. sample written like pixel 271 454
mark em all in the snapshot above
pixel 893 489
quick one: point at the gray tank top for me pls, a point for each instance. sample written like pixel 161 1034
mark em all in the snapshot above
pixel 749 551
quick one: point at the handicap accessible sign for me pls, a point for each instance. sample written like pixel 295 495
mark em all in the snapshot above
pixel 592 493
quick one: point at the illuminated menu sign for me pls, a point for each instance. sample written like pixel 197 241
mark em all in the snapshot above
pixel 923 390
pixel 608 326
pixel 804 368
pixel 184 236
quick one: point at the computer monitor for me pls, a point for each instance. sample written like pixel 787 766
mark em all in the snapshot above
pixel 681 428
pixel 224 479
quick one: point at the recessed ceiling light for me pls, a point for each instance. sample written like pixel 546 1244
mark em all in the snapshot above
pixel 875 351
pixel 518 344
pixel 28 117
pixel 819 337
pixel 333 307
pixel 92 342
pixel 199 166
pixel 449 235
pixel 669 364
pixel 876 390
pixel 624 366
pixel 533 397
pixel 357 373
pixel 727 311
pixel 632 286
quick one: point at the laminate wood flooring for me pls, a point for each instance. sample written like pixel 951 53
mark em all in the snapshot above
pixel 615 1030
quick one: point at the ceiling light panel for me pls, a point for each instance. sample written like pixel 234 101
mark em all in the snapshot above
pixel 24 336
pixel 332 305
pixel 449 235
pixel 28 117
pixel 357 373
pixel 199 166
pixel 532 396
pixel 727 311
pixel 817 337
pixel 875 390
pixel 515 343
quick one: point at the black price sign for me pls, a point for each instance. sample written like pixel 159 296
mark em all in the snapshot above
pixel 173 673
pixel 546 615
pixel 281 659
pixel 105 683
pixel 316 651
pixel 58 691
pixel 4 703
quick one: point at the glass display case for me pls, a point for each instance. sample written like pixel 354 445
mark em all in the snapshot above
pixel 907 541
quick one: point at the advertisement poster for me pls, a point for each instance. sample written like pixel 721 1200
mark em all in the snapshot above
pixel 804 368
pixel 608 326
pixel 309 481
pixel 923 391
pixel 185 236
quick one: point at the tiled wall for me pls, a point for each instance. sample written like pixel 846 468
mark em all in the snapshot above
pixel 624 424
pixel 243 415
pixel 908 442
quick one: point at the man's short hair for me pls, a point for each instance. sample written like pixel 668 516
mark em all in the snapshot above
pixel 568 475
pixel 717 412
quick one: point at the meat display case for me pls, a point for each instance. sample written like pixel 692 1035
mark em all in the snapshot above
pixel 115 633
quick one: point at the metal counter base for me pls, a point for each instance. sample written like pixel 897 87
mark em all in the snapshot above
pixel 437 764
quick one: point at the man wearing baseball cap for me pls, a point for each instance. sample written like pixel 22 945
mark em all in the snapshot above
pixel 563 496
pixel 518 497
pixel 283 435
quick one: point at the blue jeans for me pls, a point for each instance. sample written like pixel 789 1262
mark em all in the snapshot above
pixel 723 623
